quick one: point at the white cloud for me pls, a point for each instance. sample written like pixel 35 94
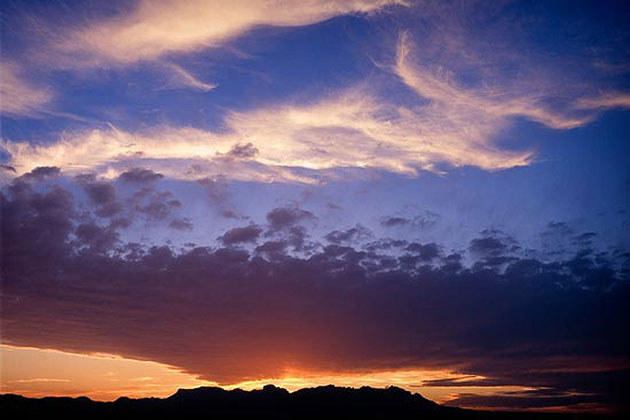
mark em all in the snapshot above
pixel 307 142
pixel 182 77
pixel 484 111
pixel 156 28
pixel 296 143
pixel 607 100
pixel 17 96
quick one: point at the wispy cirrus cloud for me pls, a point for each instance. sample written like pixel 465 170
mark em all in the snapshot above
pixel 179 76
pixel 351 129
pixel 154 29
pixel 18 97
pixel 357 127
pixel 607 100
pixel 478 113
pixel 149 31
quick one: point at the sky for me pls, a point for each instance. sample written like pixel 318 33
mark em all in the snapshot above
pixel 428 194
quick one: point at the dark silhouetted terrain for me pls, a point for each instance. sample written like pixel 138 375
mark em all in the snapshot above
pixel 271 402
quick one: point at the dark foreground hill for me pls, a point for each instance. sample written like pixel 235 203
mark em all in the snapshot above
pixel 271 402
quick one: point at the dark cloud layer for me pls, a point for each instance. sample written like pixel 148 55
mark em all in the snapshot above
pixel 228 314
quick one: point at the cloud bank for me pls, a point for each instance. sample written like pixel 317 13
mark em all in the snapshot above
pixel 229 314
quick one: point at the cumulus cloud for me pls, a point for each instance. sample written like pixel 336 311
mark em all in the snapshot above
pixel 41 173
pixel 181 224
pixel 155 204
pixel 349 235
pixel 140 176
pixel 241 235
pixel 428 218
pixel 243 151
pixel 103 196
pixel 285 217
pixel 229 315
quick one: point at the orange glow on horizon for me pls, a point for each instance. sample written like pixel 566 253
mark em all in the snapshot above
pixel 34 372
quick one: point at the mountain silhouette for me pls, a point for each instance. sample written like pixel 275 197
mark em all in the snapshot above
pixel 271 402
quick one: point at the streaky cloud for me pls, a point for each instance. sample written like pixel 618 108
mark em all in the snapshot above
pixel 350 129
pixel 18 97
pixel 607 100
pixel 308 143
pixel 154 29
pixel 478 112
pixel 181 77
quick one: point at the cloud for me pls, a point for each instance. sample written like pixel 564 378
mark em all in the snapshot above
pixel 243 151
pixel 424 252
pixel 241 235
pixel 181 224
pixel 103 196
pixel 154 29
pixel 474 116
pixel 181 77
pixel 487 245
pixel 287 143
pixel 217 190
pixel 18 97
pixel 447 123
pixel 41 173
pixel 96 238
pixel 229 315
pixel 349 235
pixel 427 219
pixel 605 101
pixel 140 176
pixel 155 204
pixel 356 128
pixel 285 217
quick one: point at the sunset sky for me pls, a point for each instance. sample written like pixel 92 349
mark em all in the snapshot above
pixel 428 194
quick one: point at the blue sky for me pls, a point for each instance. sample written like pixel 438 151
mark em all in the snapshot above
pixel 239 125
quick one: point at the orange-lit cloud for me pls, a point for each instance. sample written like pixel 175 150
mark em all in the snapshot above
pixel 35 372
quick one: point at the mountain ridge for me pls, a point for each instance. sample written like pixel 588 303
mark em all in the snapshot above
pixel 216 402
